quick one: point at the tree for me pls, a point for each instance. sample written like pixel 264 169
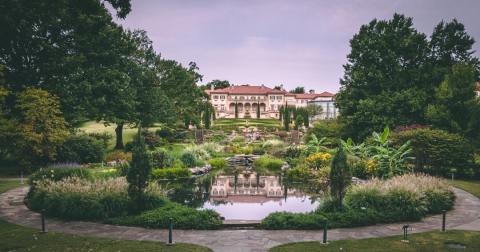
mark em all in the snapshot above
pixel 384 82
pixel 236 110
pixel 298 90
pixel 298 121
pixel 139 173
pixel 279 87
pixel 313 110
pixel 455 102
pixel 61 47
pixel 40 126
pixel 216 84
pixel 340 177
pixel 286 118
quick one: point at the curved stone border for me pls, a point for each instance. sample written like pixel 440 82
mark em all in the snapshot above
pixel 466 215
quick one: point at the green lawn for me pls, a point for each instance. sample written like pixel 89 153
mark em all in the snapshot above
pixel 6 185
pixel 251 122
pixel 430 241
pixel 99 127
pixel 18 238
pixel 471 186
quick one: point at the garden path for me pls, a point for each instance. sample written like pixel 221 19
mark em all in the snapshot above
pixel 466 215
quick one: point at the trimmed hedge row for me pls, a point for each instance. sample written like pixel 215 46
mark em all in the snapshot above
pixel 183 218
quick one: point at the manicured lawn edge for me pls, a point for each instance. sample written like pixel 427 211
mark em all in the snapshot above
pixel 429 241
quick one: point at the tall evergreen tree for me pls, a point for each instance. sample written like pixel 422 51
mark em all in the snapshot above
pixel 139 173
pixel 340 177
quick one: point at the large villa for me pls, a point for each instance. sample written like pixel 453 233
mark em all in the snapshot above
pixel 247 97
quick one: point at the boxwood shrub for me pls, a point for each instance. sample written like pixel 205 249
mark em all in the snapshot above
pixel 183 218
pixel 170 173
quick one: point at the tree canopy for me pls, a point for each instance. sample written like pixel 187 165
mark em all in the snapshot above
pixel 393 70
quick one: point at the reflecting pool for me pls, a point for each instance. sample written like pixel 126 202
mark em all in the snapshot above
pixel 244 195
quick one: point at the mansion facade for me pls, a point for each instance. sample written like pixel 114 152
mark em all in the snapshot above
pixel 246 98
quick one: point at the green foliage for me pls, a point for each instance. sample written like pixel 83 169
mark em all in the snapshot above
pixel 299 121
pixel 183 218
pixel 455 103
pixel 170 173
pixel 81 148
pixel 218 163
pixel 286 220
pixel 404 198
pixel 59 173
pixel 216 84
pixel 139 173
pixel 437 152
pixel 189 159
pixel 41 128
pixel 393 70
pixel 269 163
pixel 161 158
pixel 76 199
pixel 298 90
pixel 340 177
pixel 330 130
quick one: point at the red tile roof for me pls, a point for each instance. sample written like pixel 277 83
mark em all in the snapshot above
pixel 248 89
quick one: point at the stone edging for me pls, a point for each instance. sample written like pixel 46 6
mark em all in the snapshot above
pixel 466 215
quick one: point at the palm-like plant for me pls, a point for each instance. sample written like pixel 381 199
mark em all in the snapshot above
pixel 391 161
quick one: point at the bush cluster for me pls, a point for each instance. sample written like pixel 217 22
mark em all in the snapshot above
pixel 218 163
pixel 269 163
pixel 82 148
pixel 438 152
pixel 183 218
pixel 170 173
pixel 161 158
pixel 73 198
pixel 59 173
pixel 403 198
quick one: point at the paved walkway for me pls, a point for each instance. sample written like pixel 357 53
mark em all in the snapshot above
pixel 465 216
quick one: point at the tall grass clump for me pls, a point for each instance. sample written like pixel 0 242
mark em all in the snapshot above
pixel 74 198
pixel 410 196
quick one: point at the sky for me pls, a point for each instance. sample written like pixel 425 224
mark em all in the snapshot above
pixel 272 42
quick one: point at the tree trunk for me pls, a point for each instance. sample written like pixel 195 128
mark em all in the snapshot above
pixel 119 136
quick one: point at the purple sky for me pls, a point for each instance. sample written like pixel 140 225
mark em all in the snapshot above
pixel 272 42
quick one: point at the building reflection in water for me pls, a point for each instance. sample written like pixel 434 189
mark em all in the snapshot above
pixel 250 187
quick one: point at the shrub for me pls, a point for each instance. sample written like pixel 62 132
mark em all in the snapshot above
pixel 171 173
pixel 293 151
pixel 188 159
pixel 103 137
pixel 218 163
pixel 269 163
pixel 437 152
pixel 258 150
pixel 318 160
pixel 330 129
pixel 77 199
pixel 59 173
pixel 402 198
pixel 119 155
pixel 407 197
pixel 161 158
pixel 151 139
pixel 81 149
pixel 183 218
pixel 273 143
pixel 286 220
